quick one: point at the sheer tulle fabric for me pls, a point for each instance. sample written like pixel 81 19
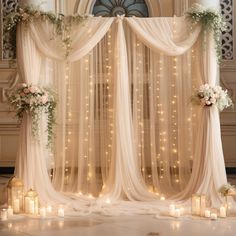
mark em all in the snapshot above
pixel 126 129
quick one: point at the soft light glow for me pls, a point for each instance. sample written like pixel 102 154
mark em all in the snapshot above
pixel 61 212
pixel 49 209
pixel 162 198
pixel 108 201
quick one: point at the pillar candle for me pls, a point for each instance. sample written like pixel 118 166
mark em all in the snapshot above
pixel 222 211
pixel 61 212
pixel 9 211
pixel 207 213
pixel 42 212
pixel 172 210
pixel 213 216
pixel 16 205
pixel 36 207
pixel 203 204
pixel 3 214
pixel 49 209
pixel 196 205
pixel 177 213
pixel 31 207
pixel 27 204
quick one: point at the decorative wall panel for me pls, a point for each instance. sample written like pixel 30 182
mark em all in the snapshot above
pixel 228 35
pixel 8 38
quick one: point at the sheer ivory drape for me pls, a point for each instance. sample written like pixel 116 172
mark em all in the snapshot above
pixel 125 126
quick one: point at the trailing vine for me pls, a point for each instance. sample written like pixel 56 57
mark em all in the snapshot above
pixel 61 22
pixel 34 100
pixel 211 20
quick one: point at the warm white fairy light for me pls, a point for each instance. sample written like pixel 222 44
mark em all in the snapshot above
pixel 175 155
pixel 138 88
pixel 69 120
pixel 192 117
pixel 108 105
pixel 160 114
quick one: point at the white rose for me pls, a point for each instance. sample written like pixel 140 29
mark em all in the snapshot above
pixel 213 100
pixel 23 85
pixel 33 89
pixel 206 86
pixel 44 99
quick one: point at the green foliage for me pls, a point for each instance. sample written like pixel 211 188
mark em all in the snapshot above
pixel 34 101
pixel 30 14
pixel 211 20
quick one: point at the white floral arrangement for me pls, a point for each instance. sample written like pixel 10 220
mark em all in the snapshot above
pixel 28 98
pixel 211 20
pixel 227 189
pixel 208 95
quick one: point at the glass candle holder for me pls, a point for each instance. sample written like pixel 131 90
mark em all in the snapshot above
pixel 203 205
pixel 31 202
pixel 223 211
pixel 214 214
pixel 196 205
pixel 15 194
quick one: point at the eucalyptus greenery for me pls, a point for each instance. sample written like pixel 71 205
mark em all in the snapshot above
pixel 62 23
pixel 210 19
pixel 35 101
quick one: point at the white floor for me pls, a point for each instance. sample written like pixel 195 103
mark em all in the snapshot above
pixel 96 225
pixel 118 226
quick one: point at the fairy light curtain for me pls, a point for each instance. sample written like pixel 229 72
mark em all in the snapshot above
pixel 125 126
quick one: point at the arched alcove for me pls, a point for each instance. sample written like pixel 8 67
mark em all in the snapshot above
pixel 110 8
pixel 153 6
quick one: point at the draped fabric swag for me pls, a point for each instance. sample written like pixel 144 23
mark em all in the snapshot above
pixel 126 129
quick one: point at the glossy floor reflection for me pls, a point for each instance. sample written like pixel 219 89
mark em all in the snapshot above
pixel 96 225
pixel 117 226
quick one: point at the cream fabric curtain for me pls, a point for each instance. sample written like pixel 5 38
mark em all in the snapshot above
pixel 126 129
pixel 172 36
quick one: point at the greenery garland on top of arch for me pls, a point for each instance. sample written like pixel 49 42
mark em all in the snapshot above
pixel 62 23
pixel 211 20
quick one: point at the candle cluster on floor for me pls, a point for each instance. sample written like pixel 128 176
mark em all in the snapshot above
pixel 28 203
pixel 20 202
pixel 175 211
pixel 199 207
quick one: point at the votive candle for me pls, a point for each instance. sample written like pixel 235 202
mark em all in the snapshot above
pixel 49 209
pixel 42 212
pixel 207 213
pixel 16 205
pixel 222 211
pixel 177 213
pixel 31 207
pixel 9 211
pixel 203 204
pixel 213 216
pixel 172 209
pixel 61 212
pixel 4 214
